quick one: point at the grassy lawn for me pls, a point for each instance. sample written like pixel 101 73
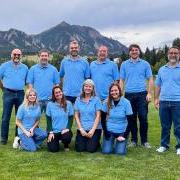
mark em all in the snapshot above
pixel 139 163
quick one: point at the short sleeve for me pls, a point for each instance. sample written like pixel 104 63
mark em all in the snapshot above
pixel 56 76
pixel 87 70
pixel 20 113
pixel 158 80
pixel 76 105
pixel 61 71
pixel 39 112
pixel 70 109
pixel 2 71
pixel 30 77
pixel 115 72
pixel 148 71
pixel 48 109
pixel 104 106
pixel 98 105
pixel 128 108
pixel 122 72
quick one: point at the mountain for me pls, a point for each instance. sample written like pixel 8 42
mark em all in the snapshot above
pixel 57 39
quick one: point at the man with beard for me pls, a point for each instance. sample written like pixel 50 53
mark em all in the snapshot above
pixel 167 99
pixel 43 77
pixel 73 71
pixel 134 73
pixel 103 72
pixel 13 77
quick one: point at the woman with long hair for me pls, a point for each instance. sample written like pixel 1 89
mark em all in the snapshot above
pixel 114 113
pixel 59 114
pixel 87 115
pixel 27 120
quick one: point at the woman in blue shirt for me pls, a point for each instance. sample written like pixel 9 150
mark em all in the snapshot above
pixel 115 111
pixel 27 120
pixel 59 114
pixel 87 115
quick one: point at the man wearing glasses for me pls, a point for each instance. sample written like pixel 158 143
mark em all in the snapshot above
pixel 13 77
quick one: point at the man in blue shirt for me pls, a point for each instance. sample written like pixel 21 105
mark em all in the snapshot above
pixel 167 99
pixel 73 71
pixel 103 73
pixel 133 75
pixel 43 77
pixel 13 77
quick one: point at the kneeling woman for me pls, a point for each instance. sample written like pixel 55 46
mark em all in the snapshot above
pixel 27 120
pixel 87 115
pixel 59 114
pixel 114 121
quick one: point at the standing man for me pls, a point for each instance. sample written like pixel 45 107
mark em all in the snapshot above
pixel 103 73
pixel 42 77
pixel 167 99
pixel 13 77
pixel 73 71
pixel 133 75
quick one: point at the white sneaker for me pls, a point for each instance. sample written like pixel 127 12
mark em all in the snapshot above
pixel 178 151
pixel 162 149
pixel 132 144
pixel 147 145
pixel 16 143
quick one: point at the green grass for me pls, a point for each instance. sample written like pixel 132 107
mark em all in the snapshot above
pixel 138 164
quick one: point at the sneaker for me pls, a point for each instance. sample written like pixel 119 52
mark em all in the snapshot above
pixel 66 149
pixel 178 151
pixel 162 149
pixel 146 145
pixel 16 142
pixel 132 144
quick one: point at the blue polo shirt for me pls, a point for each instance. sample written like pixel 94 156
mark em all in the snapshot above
pixel 74 73
pixel 168 79
pixel 135 75
pixel 87 111
pixel 13 77
pixel 28 116
pixel 103 74
pixel 43 79
pixel 116 120
pixel 58 116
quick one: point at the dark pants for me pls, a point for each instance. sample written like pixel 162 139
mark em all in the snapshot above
pixel 72 99
pixel 88 144
pixel 10 98
pixel 140 110
pixel 53 146
pixel 169 111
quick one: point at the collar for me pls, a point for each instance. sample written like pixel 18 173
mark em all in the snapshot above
pixel 177 66
pixel 46 66
pixel 102 62
pixel 132 61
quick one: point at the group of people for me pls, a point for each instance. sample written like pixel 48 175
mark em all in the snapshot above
pixel 93 96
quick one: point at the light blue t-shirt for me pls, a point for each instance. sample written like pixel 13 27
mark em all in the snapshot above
pixel 58 116
pixel 43 79
pixel 13 77
pixel 135 75
pixel 103 74
pixel 116 120
pixel 28 116
pixel 168 79
pixel 87 111
pixel 74 73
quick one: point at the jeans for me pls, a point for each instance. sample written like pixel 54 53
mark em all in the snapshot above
pixel 140 110
pixel 10 98
pixel 111 145
pixel 169 112
pixel 32 143
pixel 43 105
pixel 53 146
pixel 84 144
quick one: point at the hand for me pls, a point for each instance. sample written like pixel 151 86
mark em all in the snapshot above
pixel 27 133
pixel 83 132
pixel 148 97
pixel 156 103
pixel 90 133
pixel 31 131
pixel 64 131
pixel 50 137
pixel 120 138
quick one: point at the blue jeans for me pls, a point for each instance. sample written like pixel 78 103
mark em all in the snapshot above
pixel 111 145
pixel 169 112
pixel 32 143
pixel 10 98
pixel 140 110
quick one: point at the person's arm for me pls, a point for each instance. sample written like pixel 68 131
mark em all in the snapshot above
pixel 77 118
pixel 150 89
pixel 20 125
pixel 121 84
pixel 1 84
pixel 156 96
pixel 95 125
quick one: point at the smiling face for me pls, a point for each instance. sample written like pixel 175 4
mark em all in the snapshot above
pixel 88 89
pixel 134 53
pixel 115 93
pixel 44 58
pixel 16 55
pixel 173 55
pixel 74 49
pixel 58 94
pixel 32 97
pixel 102 53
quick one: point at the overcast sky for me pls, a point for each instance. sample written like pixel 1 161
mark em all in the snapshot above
pixel 146 22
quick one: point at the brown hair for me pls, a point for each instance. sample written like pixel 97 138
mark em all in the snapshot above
pixel 43 50
pixel 63 103
pixel 134 46
pixel 110 99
